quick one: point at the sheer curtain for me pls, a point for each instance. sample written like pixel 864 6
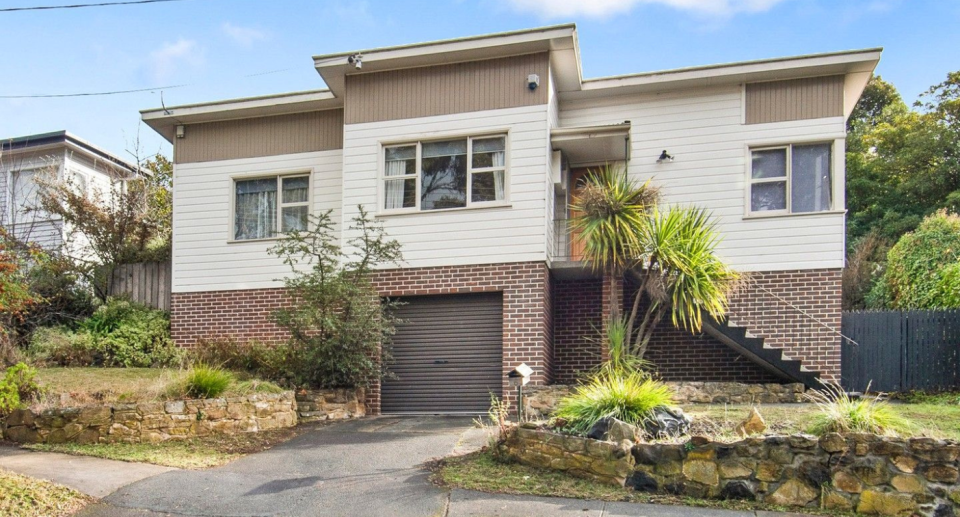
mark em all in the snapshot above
pixel 394 188
pixel 256 209
pixel 498 161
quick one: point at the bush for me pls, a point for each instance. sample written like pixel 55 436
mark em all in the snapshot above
pixel 141 340
pixel 948 287
pixel 916 264
pixel 252 357
pixel 59 346
pixel 254 386
pixel 629 396
pixel 841 414
pixel 17 385
pixel 205 382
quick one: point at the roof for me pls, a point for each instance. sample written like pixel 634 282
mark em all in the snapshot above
pixel 559 40
pixel 65 138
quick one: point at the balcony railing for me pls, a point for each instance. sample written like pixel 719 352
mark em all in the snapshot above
pixel 563 246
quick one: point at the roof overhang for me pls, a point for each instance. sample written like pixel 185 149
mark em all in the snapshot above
pixel 856 65
pixel 165 120
pixel 588 145
pixel 44 142
pixel 559 40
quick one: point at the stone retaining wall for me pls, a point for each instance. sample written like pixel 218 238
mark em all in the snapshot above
pixel 340 404
pixel 862 472
pixel 541 401
pixel 152 422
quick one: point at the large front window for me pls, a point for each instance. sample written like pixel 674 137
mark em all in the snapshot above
pixel 791 179
pixel 455 173
pixel 260 213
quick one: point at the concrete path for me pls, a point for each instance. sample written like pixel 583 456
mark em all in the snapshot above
pixel 92 476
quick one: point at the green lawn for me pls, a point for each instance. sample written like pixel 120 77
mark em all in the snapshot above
pixel 21 496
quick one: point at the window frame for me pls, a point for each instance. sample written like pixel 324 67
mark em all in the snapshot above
pixel 279 177
pixel 835 179
pixel 382 178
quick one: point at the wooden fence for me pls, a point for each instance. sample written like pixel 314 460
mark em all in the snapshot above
pixel 147 283
pixel 901 350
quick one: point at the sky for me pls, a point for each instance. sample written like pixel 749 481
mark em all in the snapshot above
pixel 220 49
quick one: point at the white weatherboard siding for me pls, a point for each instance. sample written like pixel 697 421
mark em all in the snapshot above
pixel 204 259
pixel 703 130
pixel 466 236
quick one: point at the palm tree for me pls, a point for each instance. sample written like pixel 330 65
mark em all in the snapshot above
pixel 671 254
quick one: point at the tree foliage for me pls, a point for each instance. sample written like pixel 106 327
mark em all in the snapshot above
pixel 671 253
pixel 126 223
pixel 16 297
pixel 921 266
pixel 340 327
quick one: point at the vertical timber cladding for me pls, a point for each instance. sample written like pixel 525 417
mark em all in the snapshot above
pixel 447 355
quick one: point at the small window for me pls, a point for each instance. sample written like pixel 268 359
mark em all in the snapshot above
pixel 445 174
pixel 260 214
pixel 791 179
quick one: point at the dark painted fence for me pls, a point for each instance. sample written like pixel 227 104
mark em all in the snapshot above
pixel 901 350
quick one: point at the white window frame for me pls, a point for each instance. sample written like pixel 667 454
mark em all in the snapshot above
pixel 836 178
pixel 279 177
pixel 382 178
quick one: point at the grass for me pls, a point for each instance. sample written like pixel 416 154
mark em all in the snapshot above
pixel 21 496
pixel 719 421
pixel 84 386
pixel 481 471
pixel 195 453
pixel 628 396
pixel 839 413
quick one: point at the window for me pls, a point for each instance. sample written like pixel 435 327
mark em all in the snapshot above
pixel 25 194
pixel 445 174
pixel 260 214
pixel 791 179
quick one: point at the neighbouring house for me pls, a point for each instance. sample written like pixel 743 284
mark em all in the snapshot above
pixel 469 151
pixel 64 155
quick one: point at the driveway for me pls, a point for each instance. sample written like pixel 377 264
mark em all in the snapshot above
pixel 363 467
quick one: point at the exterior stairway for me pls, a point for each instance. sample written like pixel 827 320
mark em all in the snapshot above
pixel 771 359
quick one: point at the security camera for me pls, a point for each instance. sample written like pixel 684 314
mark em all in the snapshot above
pixel 356 61
pixel 533 80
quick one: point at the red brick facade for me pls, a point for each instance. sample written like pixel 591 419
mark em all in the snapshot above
pixel 553 325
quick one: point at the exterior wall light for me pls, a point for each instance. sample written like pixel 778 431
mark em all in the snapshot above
pixel 533 80
pixel 664 157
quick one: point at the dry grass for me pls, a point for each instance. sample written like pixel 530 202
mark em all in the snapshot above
pixel 718 421
pixel 195 453
pixel 21 496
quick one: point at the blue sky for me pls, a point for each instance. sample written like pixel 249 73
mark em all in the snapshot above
pixel 235 48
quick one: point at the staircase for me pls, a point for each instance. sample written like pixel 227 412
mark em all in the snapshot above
pixel 771 359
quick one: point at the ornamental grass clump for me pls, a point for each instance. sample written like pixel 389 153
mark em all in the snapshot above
pixel 205 382
pixel 630 396
pixel 839 413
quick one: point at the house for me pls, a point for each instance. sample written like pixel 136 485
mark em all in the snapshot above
pixel 468 151
pixel 60 153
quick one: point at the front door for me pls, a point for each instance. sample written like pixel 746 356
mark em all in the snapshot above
pixel 578 178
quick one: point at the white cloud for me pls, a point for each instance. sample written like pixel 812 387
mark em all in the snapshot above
pixel 244 36
pixel 607 8
pixel 167 59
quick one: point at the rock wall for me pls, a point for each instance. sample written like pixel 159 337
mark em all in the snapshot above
pixel 152 422
pixel 340 404
pixel 541 401
pixel 606 462
pixel 861 472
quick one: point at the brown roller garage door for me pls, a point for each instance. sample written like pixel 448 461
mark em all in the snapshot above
pixel 448 355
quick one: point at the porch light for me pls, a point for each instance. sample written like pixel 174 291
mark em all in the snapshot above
pixel 664 157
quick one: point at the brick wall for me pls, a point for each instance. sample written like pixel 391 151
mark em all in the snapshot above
pixel 577 324
pixel 243 314
pixel 798 311
pixel 527 320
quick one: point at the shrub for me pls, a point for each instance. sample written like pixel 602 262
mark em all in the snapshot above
pixel 254 386
pixel 141 340
pixel 841 414
pixel 629 396
pixel 59 346
pixel 204 382
pixel 915 264
pixel 948 287
pixel 252 357
pixel 17 385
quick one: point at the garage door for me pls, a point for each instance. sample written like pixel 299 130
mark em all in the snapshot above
pixel 447 355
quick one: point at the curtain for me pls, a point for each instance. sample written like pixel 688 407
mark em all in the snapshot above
pixel 256 209
pixel 394 188
pixel 498 161
pixel 811 187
